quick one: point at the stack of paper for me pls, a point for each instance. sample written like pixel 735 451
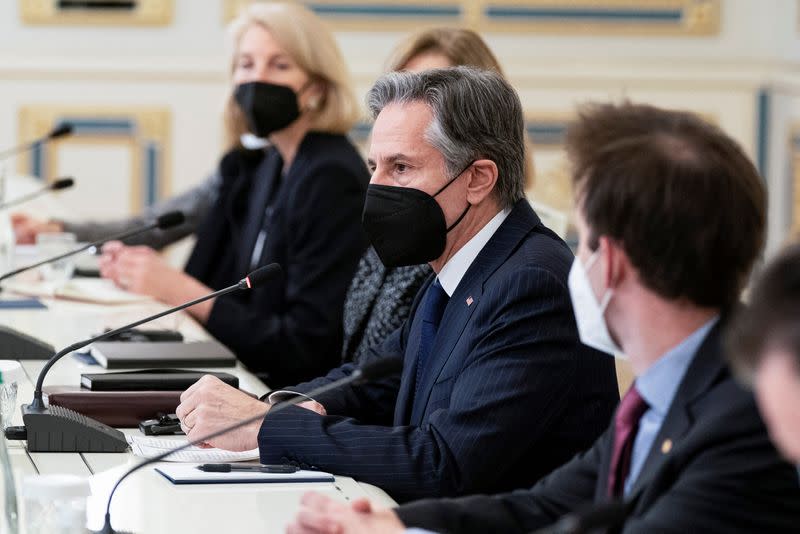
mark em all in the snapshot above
pixel 151 447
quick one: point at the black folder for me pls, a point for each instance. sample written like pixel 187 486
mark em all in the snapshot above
pixel 147 354
pixel 149 380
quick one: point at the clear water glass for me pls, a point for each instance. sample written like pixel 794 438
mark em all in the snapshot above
pixel 51 244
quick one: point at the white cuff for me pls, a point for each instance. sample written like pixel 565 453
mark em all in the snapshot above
pixel 283 395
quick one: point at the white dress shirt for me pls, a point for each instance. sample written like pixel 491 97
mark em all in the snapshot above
pixel 457 266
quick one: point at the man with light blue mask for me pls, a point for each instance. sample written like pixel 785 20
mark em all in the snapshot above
pixel 764 346
pixel 671 217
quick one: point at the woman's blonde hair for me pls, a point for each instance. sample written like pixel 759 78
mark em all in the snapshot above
pixel 461 47
pixel 310 43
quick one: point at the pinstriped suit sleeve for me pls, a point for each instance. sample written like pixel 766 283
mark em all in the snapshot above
pixel 370 403
pixel 567 489
pixel 513 368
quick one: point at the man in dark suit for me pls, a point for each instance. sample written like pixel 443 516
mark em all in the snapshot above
pixel 764 344
pixel 657 271
pixel 491 347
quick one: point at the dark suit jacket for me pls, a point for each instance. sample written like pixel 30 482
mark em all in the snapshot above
pixel 508 393
pixel 721 474
pixel 290 331
pixel 377 303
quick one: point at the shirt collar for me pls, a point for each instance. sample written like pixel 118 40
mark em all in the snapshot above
pixel 659 384
pixel 456 267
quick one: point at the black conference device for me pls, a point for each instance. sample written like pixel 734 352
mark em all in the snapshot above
pixel 369 372
pixel 59 131
pixel 57 429
pixel 56 185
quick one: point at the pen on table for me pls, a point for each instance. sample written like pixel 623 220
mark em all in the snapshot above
pixel 229 468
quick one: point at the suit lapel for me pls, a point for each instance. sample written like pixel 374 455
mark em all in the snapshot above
pixel 466 298
pixel 701 375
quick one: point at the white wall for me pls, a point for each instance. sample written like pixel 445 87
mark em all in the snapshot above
pixel 181 67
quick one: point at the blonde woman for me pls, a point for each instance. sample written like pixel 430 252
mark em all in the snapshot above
pixel 296 202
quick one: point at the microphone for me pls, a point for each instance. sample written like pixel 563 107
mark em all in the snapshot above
pixel 256 278
pixel 168 220
pixel 606 515
pixel 59 131
pixel 369 372
pixel 58 429
pixel 57 185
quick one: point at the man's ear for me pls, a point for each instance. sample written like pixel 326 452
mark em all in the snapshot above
pixel 482 179
pixel 614 260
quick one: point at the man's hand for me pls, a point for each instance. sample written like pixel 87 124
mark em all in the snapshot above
pixel 210 405
pixel 323 515
pixel 26 228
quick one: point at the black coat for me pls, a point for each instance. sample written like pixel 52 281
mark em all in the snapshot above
pixel 721 473
pixel 288 331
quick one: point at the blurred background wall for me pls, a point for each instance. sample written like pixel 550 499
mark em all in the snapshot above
pixel 145 83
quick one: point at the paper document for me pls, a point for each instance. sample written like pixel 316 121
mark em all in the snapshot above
pixel 190 474
pixel 97 290
pixel 150 447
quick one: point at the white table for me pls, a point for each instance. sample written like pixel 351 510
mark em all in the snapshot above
pixel 146 502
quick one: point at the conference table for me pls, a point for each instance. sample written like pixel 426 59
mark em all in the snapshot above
pixel 146 502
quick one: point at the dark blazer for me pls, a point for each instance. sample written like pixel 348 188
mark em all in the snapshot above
pixel 291 330
pixel 508 393
pixel 721 474
pixel 377 303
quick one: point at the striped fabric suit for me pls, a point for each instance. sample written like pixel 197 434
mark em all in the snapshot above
pixel 508 392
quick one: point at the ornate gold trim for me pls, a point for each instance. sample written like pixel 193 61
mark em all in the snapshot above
pixel 149 126
pixel 697 17
pixel 145 13
pixel 579 17
pixel 793 143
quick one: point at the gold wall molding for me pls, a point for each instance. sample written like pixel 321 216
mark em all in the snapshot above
pixel 143 13
pixel 793 149
pixel 578 17
pixel 144 131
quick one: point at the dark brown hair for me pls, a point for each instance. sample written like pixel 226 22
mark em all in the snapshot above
pixel 772 317
pixel 675 192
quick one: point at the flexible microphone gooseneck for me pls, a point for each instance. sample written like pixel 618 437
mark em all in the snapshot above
pixel 59 131
pixel 606 515
pixel 254 279
pixel 57 185
pixel 168 220
pixel 369 372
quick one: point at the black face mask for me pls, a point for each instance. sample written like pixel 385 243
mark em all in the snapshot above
pixel 267 107
pixel 405 225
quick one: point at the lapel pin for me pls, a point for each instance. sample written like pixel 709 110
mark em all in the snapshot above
pixel 666 446
pixel 469 301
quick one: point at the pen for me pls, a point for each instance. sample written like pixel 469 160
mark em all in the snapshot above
pixel 228 468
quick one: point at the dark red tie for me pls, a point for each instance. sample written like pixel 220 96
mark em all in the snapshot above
pixel 626 424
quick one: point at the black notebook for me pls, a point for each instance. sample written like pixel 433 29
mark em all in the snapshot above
pixel 148 354
pixel 149 380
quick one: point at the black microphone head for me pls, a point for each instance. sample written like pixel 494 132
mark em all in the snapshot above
pixel 61 130
pixel 62 183
pixel 381 368
pixel 262 275
pixel 168 220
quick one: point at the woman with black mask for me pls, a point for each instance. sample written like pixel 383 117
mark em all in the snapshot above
pixel 296 201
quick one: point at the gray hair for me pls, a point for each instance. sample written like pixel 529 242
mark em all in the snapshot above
pixel 476 115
